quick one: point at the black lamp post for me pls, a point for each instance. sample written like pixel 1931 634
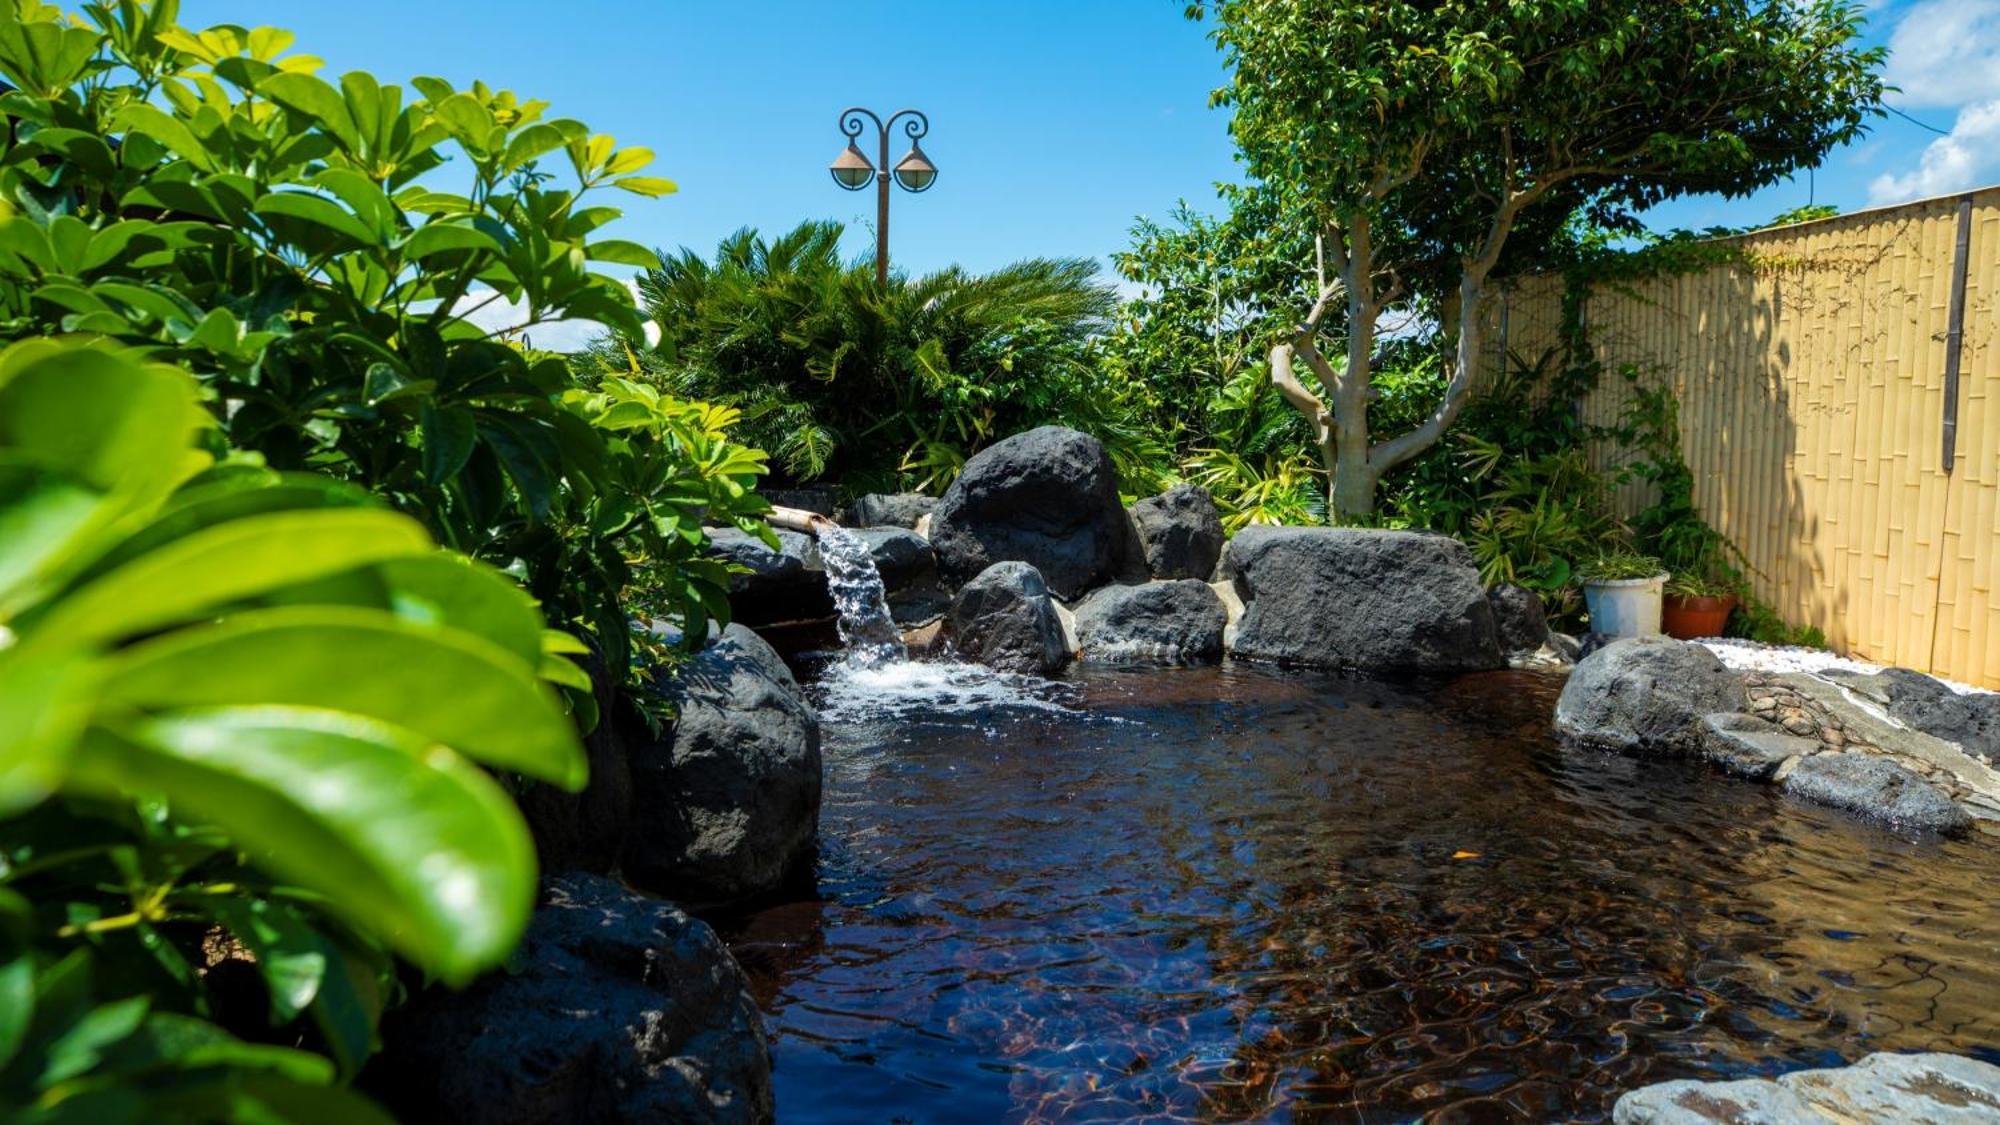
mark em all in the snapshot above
pixel 851 169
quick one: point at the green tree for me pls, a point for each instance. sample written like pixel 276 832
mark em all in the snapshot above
pixel 1429 142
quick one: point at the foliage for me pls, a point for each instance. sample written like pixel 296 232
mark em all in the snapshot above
pixel 1431 144
pixel 1513 478
pixel 1254 469
pixel 297 244
pixel 1620 566
pixel 241 709
pixel 844 379
pixel 1211 293
pixel 1672 527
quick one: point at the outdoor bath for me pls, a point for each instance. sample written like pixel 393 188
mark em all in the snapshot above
pixel 1242 892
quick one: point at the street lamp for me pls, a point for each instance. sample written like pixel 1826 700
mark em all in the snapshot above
pixel 852 170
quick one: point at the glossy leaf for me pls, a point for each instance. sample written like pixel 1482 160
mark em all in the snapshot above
pixel 401 836
pixel 218 565
pixel 446 685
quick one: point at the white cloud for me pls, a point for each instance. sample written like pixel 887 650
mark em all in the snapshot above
pixel 1965 158
pixel 484 308
pixel 1945 53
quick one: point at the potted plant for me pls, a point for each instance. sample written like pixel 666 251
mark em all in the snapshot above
pixel 1697 606
pixel 1622 592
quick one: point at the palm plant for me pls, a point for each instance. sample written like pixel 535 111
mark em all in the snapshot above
pixel 840 377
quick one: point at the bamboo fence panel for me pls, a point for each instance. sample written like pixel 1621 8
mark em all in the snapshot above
pixel 1811 384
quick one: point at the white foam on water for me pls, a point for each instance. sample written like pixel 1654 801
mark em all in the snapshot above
pixel 914 689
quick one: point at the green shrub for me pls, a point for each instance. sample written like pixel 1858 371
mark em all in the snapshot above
pixel 315 251
pixel 238 709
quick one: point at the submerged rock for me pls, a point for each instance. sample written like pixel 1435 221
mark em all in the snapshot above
pixel 1048 498
pixel 1519 618
pixel 888 509
pixel 620 1008
pixel 1388 601
pixel 1934 1088
pixel 1646 694
pixel 1005 619
pixel 1748 746
pixel 1880 788
pixel 727 802
pixel 1178 620
pixel 1180 532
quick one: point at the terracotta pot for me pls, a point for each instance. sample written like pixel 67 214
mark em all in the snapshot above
pixel 1685 617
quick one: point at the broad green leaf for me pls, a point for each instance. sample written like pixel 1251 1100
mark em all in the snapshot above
pixel 209 503
pixel 317 100
pixel 650 186
pixel 447 589
pixel 17 973
pixel 536 140
pixel 80 1046
pixel 217 565
pixel 403 838
pixel 45 700
pixel 97 416
pixel 447 685
pixel 620 252
pixel 164 128
pixel 320 212
pixel 449 434
pixel 44 521
pixel 442 237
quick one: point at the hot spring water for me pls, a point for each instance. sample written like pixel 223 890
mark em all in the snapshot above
pixel 1245 893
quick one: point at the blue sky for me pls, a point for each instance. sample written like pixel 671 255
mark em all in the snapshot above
pixel 1054 124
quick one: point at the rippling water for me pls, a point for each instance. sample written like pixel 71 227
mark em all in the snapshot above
pixel 1240 895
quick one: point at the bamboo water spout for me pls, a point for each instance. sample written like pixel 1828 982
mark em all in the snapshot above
pixel 800 520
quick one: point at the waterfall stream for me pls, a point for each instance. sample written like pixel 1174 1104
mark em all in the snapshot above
pixel 866 629
pixel 876 678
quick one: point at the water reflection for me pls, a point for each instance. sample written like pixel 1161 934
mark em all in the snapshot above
pixel 1234 894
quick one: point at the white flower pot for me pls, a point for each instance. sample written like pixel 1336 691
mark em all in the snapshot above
pixel 1624 607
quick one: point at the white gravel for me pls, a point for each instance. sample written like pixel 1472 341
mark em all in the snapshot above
pixel 1749 656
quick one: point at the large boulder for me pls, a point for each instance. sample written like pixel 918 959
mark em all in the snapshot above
pixel 1180 532
pixel 1177 620
pixel 888 509
pixel 619 1008
pixel 1646 694
pixel 586 830
pixel 1376 601
pixel 1934 1088
pixel 1878 788
pixel 1519 617
pixel 728 799
pixel 1005 619
pixel 1048 498
pixel 778 586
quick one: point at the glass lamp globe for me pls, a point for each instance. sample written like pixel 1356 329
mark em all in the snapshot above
pixel 915 172
pixel 851 169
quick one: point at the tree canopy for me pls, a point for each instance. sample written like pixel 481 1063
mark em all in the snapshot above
pixel 1422 138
